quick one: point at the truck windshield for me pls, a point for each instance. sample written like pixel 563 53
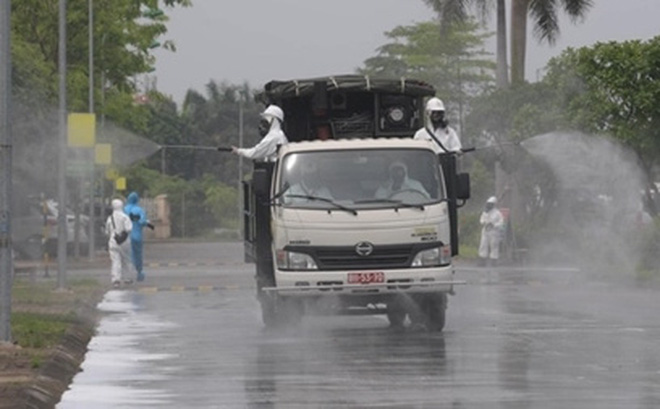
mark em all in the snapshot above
pixel 361 179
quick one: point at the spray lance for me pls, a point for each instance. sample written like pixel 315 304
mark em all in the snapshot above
pixel 490 146
pixel 198 147
pixel 163 148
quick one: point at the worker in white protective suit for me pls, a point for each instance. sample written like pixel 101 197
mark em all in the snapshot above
pixel 309 187
pixel 400 182
pixel 118 227
pixel 270 127
pixel 437 129
pixel 492 223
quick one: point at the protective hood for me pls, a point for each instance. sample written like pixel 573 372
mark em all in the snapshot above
pixel 117 204
pixel 399 164
pixel 133 198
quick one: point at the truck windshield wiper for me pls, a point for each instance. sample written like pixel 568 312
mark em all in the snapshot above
pixel 281 192
pixel 324 199
pixel 398 204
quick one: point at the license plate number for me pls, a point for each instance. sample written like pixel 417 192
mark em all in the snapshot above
pixel 366 278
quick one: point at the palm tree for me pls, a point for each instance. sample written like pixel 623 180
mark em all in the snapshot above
pixel 543 13
pixel 502 68
pixel 546 26
pixel 457 10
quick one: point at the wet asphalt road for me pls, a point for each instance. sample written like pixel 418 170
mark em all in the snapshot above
pixel 191 337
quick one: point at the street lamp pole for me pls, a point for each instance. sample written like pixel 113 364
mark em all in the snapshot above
pixel 240 165
pixel 92 205
pixel 6 264
pixel 61 172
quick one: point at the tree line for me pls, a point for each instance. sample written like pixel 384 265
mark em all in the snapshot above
pixel 605 89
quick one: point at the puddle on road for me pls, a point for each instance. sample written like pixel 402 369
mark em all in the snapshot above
pixel 117 369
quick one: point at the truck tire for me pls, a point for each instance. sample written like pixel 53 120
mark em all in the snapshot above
pixel 268 315
pixel 396 313
pixel 268 301
pixel 278 312
pixel 291 311
pixel 437 307
pixel 429 312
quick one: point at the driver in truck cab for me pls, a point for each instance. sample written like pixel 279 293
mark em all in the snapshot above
pixel 270 127
pixel 309 186
pixel 399 182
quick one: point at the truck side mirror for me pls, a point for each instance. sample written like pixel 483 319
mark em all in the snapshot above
pixel 261 182
pixel 463 186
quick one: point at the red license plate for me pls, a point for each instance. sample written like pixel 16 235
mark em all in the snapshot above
pixel 366 278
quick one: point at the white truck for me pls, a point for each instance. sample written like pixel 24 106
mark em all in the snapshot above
pixel 355 216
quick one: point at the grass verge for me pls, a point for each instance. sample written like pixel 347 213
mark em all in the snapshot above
pixel 41 316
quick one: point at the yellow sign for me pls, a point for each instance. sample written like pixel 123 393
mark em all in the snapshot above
pixel 82 130
pixel 120 184
pixel 103 153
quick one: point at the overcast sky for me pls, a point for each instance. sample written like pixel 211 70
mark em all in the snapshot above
pixel 260 40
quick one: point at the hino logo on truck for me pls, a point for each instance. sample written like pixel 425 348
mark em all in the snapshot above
pixel 364 248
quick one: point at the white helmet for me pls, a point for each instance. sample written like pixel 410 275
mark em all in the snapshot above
pixel 434 104
pixel 492 200
pixel 273 111
pixel 117 204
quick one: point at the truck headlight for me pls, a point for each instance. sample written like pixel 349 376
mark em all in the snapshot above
pixel 290 260
pixel 437 256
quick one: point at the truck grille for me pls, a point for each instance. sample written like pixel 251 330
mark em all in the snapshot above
pixel 383 257
pixel 341 258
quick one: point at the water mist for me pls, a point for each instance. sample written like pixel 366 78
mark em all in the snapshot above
pixel 593 213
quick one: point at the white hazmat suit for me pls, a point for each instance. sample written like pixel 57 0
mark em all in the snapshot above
pixel 437 129
pixel 266 149
pixel 492 223
pixel 120 254
pixel 399 182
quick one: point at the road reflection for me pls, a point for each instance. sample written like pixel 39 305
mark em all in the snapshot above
pixel 335 367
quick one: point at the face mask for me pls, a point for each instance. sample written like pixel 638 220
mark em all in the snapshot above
pixel 438 119
pixel 264 127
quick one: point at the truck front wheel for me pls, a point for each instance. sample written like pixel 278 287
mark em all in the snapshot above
pixel 277 312
pixel 436 312
pixel 430 312
pixel 396 313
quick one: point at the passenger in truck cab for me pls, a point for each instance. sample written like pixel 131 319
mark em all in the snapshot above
pixel 309 185
pixel 270 127
pixel 399 182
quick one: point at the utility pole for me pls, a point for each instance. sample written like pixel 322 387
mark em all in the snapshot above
pixel 6 265
pixel 92 205
pixel 240 166
pixel 61 168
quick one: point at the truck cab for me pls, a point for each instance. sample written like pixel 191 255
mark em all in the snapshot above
pixel 354 216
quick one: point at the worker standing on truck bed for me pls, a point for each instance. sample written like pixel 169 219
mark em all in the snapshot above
pixel 437 129
pixel 270 127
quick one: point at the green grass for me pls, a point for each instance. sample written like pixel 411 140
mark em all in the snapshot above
pixel 41 315
pixel 37 330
